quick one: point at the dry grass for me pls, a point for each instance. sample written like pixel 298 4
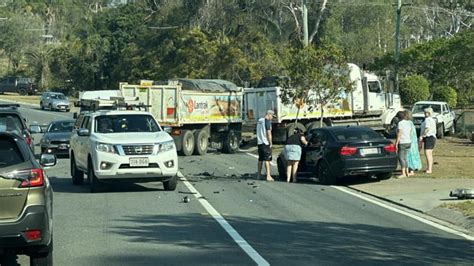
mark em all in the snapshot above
pixel 466 207
pixel 21 99
pixel 453 158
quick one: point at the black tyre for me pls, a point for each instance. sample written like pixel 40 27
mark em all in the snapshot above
pixel 201 142
pixel 324 174
pixel 42 259
pixel 93 182
pixel 281 169
pixel 452 130
pixel 231 142
pixel 76 174
pixel 22 92
pixel 384 176
pixel 187 146
pixel 41 106
pixel 171 184
pixel 290 130
pixel 50 107
pixel 440 131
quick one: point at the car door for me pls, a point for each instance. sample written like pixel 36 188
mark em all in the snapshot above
pixel 82 144
pixel 448 117
pixel 314 151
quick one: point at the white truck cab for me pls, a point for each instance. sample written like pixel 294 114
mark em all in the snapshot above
pixel 122 145
pixel 443 115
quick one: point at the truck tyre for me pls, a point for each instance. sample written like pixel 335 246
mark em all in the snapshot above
pixel 76 174
pixel 231 142
pixel 171 184
pixel 93 182
pixel 440 131
pixel 314 125
pixel 201 142
pixel 290 130
pixel 187 147
pixel 324 174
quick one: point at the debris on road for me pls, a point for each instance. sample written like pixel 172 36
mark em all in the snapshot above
pixel 462 193
pixel 217 192
pixel 186 199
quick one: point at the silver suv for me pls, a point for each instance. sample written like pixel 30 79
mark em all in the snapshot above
pixel 26 200
pixel 54 101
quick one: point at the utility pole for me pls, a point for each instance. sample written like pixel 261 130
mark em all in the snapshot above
pixel 397 46
pixel 304 9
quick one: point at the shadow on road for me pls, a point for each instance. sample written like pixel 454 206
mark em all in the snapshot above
pixel 298 242
pixel 64 185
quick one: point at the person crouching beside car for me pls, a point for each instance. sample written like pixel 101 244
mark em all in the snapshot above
pixel 293 150
pixel 428 136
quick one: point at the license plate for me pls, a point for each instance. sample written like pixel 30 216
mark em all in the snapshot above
pixel 138 162
pixel 63 146
pixel 369 151
pixel 62 107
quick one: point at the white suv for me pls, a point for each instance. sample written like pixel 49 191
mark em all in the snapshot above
pixel 122 146
pixel 443 115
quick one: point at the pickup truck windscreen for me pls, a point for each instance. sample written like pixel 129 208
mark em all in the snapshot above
pixel 125 123
pixel 419 108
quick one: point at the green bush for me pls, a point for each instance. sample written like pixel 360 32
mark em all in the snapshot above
pixel 445 94
pixel 413 89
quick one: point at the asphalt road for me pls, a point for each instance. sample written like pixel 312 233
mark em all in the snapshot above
pixel 286 224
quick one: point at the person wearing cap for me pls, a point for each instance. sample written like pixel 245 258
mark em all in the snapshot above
pixel 293 150
pixel 428 136
pixel 264 142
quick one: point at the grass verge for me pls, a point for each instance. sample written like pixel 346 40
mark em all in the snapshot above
pixel 465 207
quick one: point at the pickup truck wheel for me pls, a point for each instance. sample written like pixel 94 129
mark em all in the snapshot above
pixel 324 174
pixel 93 182
pixel 50 107
pixel 440 131
pixel 22 92
pixel 171 184
pixel 76 174
pixel 231 142
pixel 41 106
pixel 187 146
pixel 452 130
pixel 201 142
pixel 281 169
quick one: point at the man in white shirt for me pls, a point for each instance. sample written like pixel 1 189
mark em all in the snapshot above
pixel 264 142
pixel 428 136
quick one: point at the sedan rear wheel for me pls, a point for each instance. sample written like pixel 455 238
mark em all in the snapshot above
pixel 324 174
pixel 42 259
pixel 384 176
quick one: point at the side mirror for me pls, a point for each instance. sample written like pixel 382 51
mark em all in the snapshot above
pixel 168 129
pixel 48 160
pixel 74 116
pixel 36 129
pixel 83 132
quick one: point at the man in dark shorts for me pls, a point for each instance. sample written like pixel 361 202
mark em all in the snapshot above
pixel 264 142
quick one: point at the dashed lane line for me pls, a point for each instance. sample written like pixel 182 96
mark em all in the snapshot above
pixel 243 244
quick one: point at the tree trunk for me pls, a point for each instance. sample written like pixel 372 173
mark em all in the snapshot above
pixel 318 21
pixel 322 115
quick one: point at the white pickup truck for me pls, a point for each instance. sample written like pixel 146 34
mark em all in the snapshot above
pixel 115 145
pixel 441 113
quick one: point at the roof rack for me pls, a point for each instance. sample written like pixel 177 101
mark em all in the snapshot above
pixel 10 106
pixel 114 103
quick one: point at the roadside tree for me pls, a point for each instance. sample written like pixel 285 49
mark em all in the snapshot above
pixel 317 77
pixel 413 89
pixel 445 94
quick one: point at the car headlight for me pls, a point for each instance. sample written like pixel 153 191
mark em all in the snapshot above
pixel 45 141
pixel 104 147
pixel 166 146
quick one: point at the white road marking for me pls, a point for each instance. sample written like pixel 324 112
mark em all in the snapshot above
pixel 256 156
pixel 243 244
pixel 413 216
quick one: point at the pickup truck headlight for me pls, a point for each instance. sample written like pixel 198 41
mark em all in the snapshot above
pixel 166 146
pixel 104 147
pixel 45 141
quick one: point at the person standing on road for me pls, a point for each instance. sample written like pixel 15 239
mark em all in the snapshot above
pixel 293 149
pixel 428 136
pixel 264 142
pixel 413 155
pixel 403 142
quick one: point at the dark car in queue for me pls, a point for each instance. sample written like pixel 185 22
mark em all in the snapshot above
pixel 26 200
pixel 56 137
pixel 12 121
pixel 336 152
